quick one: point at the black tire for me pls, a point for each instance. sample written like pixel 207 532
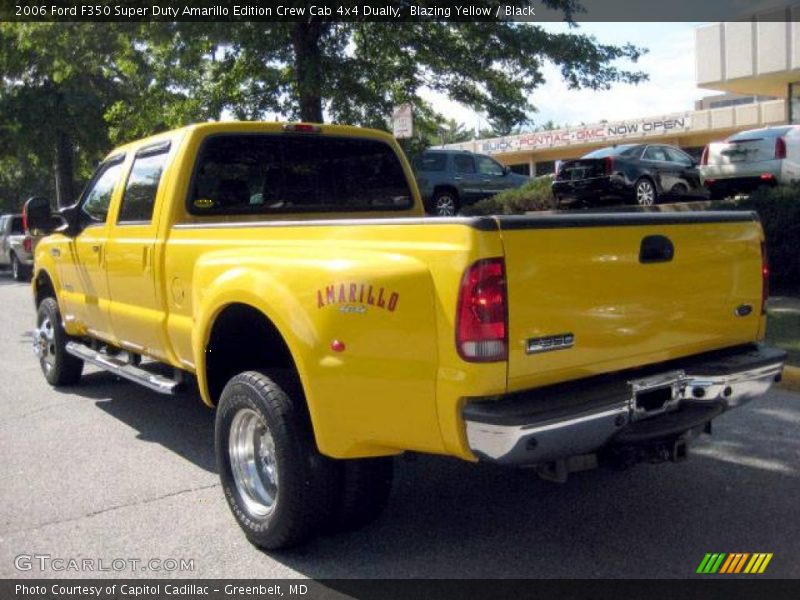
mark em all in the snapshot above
pixel 50 340
pixel 645 192
pixel 364 489
pixel 305 482
pixel 18 271
pixel 445 203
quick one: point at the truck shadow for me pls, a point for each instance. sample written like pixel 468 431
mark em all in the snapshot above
pixel 451 519
pixel 181 424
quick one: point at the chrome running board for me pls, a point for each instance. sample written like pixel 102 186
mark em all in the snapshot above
pixel 124 369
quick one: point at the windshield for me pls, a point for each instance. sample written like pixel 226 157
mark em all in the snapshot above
pixel 759 134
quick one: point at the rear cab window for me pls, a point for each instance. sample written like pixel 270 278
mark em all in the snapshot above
pixel 244 174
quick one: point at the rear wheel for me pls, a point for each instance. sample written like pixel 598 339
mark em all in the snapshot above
pixel 645 192
pixel 279 487
pixel 364 489
pixel 445 204
pixel 49 345
pixel 18 271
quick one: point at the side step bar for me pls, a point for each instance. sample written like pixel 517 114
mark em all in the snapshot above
pixel 158 383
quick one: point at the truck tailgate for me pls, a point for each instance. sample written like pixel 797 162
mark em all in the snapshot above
pixel 596 293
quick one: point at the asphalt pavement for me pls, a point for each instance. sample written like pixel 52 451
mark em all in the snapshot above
pixel 107 470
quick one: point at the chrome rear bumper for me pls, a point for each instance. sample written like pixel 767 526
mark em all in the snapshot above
pixel 582 417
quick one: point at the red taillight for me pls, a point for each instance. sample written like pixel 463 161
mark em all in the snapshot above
pixel 482 316
pixel 704 156
pixel 26 244
pixel 764 278
pixel 766 176
pixel 780 148
pixel 609 161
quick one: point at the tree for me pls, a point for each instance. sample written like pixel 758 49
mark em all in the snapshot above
pixel 58 82
pixel 69 91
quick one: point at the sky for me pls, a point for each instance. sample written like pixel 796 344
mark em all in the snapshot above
pixel 669 63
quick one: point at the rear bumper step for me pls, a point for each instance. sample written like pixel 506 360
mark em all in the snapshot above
pixel 658 403
pixel 158 383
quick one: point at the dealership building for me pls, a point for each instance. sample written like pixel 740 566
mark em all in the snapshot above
pixel 756 62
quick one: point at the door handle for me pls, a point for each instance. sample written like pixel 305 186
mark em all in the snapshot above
pixel 55 252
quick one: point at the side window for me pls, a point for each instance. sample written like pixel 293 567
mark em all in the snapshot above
pixel 139 197
pixel 463 163
pixel 679 157
pixel 434 161
pixel 98 195
pixel 486 166
pixel 655 153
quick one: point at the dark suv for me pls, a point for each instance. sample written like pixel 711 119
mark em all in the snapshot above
pixel 450 179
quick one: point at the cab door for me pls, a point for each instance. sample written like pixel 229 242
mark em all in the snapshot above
pixel 84 295
pixel 136 310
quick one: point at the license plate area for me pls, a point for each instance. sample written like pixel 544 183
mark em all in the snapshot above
pixel 657 394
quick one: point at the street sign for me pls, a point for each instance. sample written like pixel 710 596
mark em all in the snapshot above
pixel 402 121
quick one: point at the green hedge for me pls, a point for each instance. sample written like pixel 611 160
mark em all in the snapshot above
pixel 779 209
pixel 534 195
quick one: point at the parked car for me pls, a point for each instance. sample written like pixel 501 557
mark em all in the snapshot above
pixel 639 173
pixel 16 247
pixel 751 159
pixel 450 179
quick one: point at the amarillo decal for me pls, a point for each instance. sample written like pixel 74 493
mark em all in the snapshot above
pixel 359 294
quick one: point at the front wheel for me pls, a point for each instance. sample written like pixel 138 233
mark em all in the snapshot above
pixel 646 194
pixel 277 484
pixel 49 345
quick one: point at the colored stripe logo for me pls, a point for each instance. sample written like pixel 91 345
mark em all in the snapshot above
pixel 736 562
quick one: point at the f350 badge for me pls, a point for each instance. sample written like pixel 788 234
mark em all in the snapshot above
pixel 548 343
pixel 356 297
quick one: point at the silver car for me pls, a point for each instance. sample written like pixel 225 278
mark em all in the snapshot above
pixel 16 247
pixel 750 159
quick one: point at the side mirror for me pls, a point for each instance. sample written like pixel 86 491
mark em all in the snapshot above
pixel 37 216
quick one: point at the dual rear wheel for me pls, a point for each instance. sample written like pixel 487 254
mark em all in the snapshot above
pixel 281 490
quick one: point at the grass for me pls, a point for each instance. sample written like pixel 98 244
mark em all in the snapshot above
pixel 783 331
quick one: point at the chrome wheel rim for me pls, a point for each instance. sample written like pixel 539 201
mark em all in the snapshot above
pixel 251 448
pixel 445 206
pixel 645 194
pixel 44 344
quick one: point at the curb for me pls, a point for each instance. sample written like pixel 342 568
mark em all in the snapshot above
pixel 791 379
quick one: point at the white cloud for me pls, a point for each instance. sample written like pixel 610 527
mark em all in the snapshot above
pixel 670 64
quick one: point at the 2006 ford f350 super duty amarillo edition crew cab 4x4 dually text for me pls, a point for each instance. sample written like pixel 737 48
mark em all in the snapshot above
pixel 289 270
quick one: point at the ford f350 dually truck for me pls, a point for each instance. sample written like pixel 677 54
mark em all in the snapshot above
pixel 289 271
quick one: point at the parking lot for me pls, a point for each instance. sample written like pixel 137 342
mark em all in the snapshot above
pixel 109 470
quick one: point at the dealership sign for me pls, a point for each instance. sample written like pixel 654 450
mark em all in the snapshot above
pixel 598 133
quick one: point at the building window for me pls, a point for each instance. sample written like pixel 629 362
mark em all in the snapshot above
pixel 794 102
pixel 521 169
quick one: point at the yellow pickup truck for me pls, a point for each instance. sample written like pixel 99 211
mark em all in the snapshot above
pixel 288 272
